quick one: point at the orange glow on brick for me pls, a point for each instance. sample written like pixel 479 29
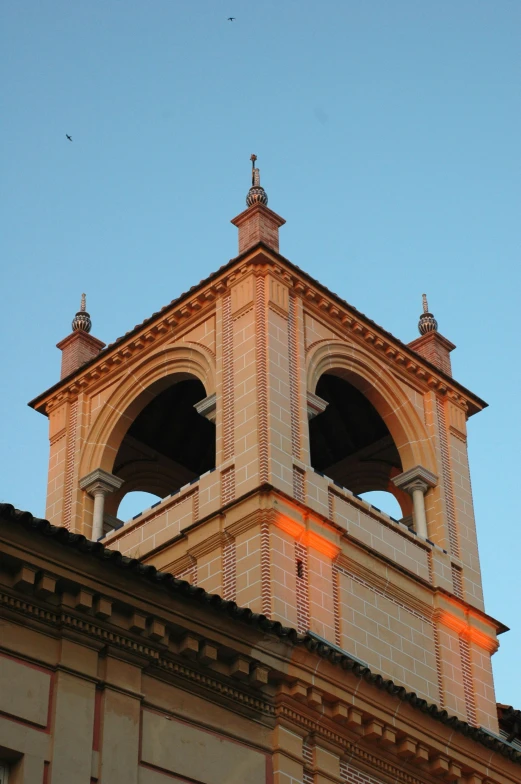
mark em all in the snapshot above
pixel 461 626
pixel 307 538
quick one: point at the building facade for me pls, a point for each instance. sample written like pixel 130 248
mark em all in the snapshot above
pixel 261 622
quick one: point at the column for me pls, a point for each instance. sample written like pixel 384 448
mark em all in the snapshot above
pixel 98 484
pixel 416 481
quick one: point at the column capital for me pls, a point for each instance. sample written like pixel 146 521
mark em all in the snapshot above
pixel 316 405
pixel 207 407
pixel 100 481
pixel 416 478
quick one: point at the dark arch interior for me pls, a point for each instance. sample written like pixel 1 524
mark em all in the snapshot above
pixel 168 445
pixel 350 442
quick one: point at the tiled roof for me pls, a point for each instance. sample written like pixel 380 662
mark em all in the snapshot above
pixel 193 289
pixel 114 559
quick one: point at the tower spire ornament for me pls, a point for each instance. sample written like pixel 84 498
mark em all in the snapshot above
pixel 256 194
pixel 427 322
pixel 81 321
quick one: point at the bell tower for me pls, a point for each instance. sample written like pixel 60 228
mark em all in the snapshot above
pixel 259 407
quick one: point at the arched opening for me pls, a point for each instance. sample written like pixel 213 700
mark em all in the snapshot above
pixel 384 501
pixel 169 444
pixel 134 502
pixel 351 444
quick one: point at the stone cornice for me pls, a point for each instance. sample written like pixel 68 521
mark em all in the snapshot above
pixel 189 307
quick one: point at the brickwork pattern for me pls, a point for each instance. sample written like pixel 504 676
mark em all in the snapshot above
pixel 466 668
pixel 302 586
pixel 330 504
pixel 229 571
pixel 307 756
pixel 439 672
pixel 260 227
pixel 299 487
pixel 262 391
pixel 228 390
pixel 294 378
pixel 195 512
pixel 265 569
pixel 336 604
pixel 189 574
pixel 447 479
pixel 79 350
pixel 69 471
pixel 227 485
pixel 430 348
pixel 457 581
pixel 353 776
pixel 390 635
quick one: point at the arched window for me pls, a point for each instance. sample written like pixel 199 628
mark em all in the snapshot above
pixel 351 444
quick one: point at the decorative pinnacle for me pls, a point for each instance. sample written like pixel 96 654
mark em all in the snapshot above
pixel 81 321
pixel 256 194
pixel 427 322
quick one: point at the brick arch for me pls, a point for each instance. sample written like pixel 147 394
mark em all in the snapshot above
pixel 373 379
pixel 139 387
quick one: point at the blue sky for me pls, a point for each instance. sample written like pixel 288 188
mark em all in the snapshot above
pixel 387 135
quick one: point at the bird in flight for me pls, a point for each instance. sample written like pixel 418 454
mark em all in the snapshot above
pixel 231 19
pixel 68 137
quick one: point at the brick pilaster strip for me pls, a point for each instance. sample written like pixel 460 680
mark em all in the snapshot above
pixel 299 488
pixel 302 578
pixel 228 392
pixel 293 363
pixel 447 479
pixel 227 485
pixel 468 690
pixel 265 569
pixel 262 387
pixel 439 673
pixel 229 571
pixel 69 470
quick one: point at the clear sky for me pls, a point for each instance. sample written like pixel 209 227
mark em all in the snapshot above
pixel 387 135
